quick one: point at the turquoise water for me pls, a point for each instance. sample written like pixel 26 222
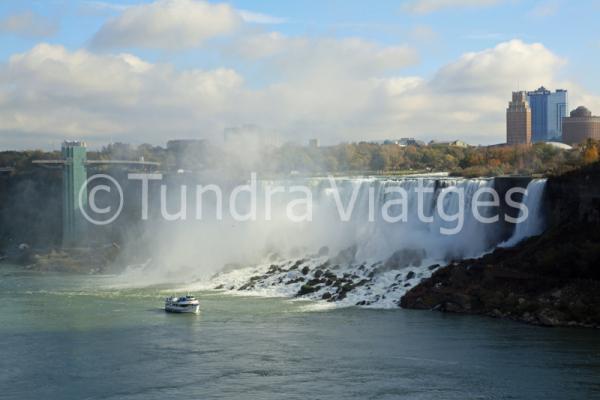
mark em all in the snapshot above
pixel 71 337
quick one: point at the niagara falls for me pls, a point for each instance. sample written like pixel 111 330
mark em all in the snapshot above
pixel 267 200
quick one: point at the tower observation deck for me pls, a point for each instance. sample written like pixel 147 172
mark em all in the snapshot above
pixel 74 177
pixel 74 164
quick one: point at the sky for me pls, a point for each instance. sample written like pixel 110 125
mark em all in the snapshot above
pixel 286 71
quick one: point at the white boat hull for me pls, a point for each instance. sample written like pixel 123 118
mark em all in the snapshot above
pixel 180 310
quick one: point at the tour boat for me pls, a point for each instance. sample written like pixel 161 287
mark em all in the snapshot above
pixel 185 304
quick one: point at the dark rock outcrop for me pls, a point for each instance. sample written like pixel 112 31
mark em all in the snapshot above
pixel 305 289
pixel 550 280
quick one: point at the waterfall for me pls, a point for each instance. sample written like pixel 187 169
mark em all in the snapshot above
pixel 534 224
pixel 372 261
pixel 377 239
pixel 366 229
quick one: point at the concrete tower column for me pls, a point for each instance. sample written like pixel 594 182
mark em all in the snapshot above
pixel 74 177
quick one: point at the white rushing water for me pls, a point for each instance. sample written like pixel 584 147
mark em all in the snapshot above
pixel 391 257
pixel 534 224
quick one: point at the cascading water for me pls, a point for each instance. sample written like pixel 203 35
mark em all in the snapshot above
pixel 369 240
pixel 534 223
pixel 377 239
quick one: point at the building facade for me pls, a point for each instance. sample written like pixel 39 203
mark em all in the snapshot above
pixel 518 120
pixel 580 126
pixel 547 111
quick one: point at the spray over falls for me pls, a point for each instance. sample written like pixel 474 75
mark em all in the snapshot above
pixel 349 253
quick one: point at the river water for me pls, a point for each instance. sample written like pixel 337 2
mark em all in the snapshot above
pixel 81 337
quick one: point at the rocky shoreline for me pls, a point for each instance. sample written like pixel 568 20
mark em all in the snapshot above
pixel 550 280
pixel 333 279
pixel 505 284
pixel 75 260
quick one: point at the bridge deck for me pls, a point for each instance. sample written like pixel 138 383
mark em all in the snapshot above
pixel 98 162
pixel 122 162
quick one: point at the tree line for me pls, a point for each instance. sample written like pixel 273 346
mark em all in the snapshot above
pixel 347 158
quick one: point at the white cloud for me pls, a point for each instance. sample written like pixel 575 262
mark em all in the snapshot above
pixel 28 24
pixel 466 99
pixel 508 65
pixel 55 93
pixel 429 6
pixel 338 90
pixel 260 18
pixel 324 58
pixel 168 24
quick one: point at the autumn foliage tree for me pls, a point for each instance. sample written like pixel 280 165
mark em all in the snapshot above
pixel 590 152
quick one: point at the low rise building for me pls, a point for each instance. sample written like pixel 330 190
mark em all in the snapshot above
pixel 580 126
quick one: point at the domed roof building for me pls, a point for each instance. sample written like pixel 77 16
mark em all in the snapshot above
pixel 581 112
pixel 580 126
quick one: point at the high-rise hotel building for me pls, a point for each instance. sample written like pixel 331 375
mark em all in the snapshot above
pixel 518 120
pixel 547 112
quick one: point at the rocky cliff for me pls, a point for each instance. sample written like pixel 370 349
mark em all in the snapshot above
pixel 552 279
